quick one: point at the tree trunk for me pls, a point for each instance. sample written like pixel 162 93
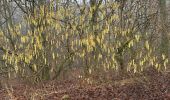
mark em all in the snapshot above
pixel 164 46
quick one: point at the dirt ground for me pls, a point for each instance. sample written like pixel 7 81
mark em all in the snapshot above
pixel 155 86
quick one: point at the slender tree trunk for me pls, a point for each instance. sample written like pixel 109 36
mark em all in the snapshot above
pixel 164 46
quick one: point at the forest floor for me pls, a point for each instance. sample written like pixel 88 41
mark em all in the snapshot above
pixel 151 86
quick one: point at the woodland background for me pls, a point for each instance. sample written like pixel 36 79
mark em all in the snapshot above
pixel 91 41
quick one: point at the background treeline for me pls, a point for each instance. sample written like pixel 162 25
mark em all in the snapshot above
pixel 40 39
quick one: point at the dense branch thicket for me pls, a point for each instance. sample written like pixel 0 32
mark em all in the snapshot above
pixel 99 35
